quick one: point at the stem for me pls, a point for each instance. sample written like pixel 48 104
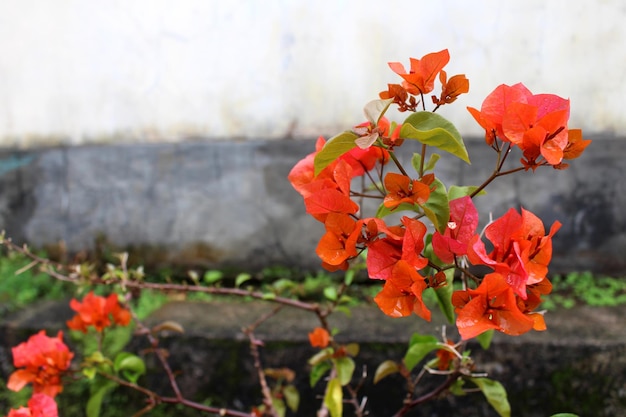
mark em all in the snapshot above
pixel 429 396
pixel 422 160
pixel 398 164
pixel 362 195
pixel 254 350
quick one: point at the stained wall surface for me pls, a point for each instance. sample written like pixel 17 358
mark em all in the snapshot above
pixel 156 70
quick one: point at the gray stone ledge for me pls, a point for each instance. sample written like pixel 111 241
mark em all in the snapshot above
pixel 578 365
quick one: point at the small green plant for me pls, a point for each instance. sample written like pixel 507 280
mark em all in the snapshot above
pixel 22 284
pixel 576 288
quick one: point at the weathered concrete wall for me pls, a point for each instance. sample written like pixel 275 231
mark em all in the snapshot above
pixel 154 70
pixel 229 203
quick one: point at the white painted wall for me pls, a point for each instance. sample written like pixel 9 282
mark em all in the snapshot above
pixel 78 71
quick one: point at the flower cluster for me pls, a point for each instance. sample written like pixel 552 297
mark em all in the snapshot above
pixel 404 254
pixel 43 360
pixel 39 405
pixel 521 252
pixel 420 80
pixel 97 311
pixel 536 123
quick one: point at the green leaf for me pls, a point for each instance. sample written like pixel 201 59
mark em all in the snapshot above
pixel 241 278
pixel 375 109
pixel 283 284
pixel 416 161
pixel 419 338
pixel 292 397
pixel 495 394
pixel 322 355
pixel 348 277
pixel 212 276
pixel 485 339
pixel 279 406
pixel 129 365
pixel 345 369
pixel 420 346
pixel 317 371
pixel 333 400
pixel 457 387
pixel 352 349
pixel 90 372
pixel 437 208
pixel 345 310
pixel 330 293
pixel 95 358
pixel 384 211
pixel 444 296
pixel 333 149
pixel 98 392
pixel 434 130
pixel 386 368
pixel 457 191
pixel 432 161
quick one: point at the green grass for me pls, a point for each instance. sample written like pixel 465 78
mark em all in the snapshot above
pixel 585 288
pixel 18 290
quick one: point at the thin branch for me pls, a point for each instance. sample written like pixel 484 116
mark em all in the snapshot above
pixel 254 351
pixel 430 395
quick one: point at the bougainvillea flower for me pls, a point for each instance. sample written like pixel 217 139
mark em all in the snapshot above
pixel 420 79
pixel 451 89
pixel 99 312
pixel 400 96
pixel 42 360
pixel 494 108
pixel 402 189
pixel 363 160
pixel 536 123
pixel 39 405
pixel 331 195
pixel 535 291
pixel 334 248
pixel 319 337
pixel 575 146
pixel 490 306
pixel 399 243
pixel 459 230
pixel 521 249
pixel 402 293
pixel 303 173
pixel 413 242
pixel 382 256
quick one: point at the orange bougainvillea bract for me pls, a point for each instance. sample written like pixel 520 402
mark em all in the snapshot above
pixel 536 123
pixel 98 312
pixel 490 306
pixel 420 79
pixel 319 337
pixel 521 249
pixel 39 405
pixel 42 360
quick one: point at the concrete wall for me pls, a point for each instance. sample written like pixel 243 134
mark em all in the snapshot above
pixel 229 203
pixel 157 70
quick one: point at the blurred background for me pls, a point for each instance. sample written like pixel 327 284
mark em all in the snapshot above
pixel 169 127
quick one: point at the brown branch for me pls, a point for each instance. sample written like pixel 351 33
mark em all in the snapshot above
pixel 254 351
pixel 430 395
